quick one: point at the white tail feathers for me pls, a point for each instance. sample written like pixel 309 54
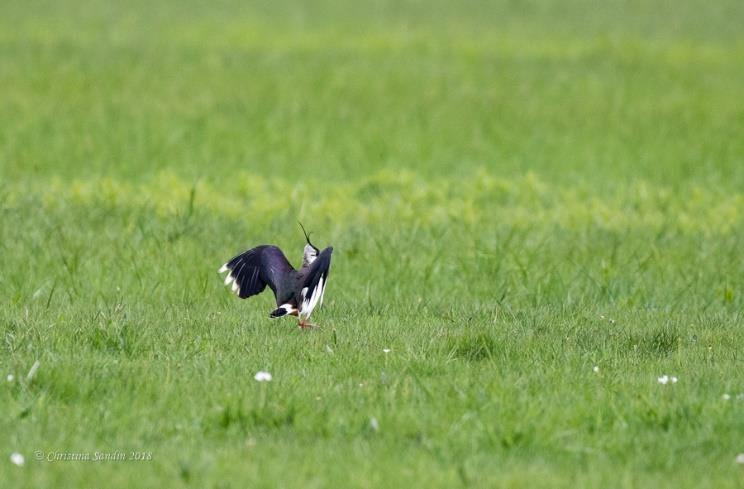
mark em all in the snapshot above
pixel 316 297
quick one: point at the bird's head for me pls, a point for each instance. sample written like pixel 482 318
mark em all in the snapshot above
pixel 310 253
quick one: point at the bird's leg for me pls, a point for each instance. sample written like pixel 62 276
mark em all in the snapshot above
pixel 303 324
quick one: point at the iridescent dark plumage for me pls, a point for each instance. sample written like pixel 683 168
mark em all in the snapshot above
pixel 297 292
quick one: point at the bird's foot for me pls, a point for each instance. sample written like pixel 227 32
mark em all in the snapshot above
pixel 304 324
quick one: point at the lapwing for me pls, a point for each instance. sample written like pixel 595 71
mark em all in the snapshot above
pixel 297 292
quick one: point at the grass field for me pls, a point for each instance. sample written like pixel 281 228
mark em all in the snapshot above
pixel 537 207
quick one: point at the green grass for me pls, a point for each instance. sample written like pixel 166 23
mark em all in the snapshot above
pixel 516 192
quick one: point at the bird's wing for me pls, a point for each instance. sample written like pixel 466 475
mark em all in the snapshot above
pixel 250 272
pixel 315 280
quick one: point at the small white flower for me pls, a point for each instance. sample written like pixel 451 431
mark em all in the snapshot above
pixel 374 424
pixel 328 349
pixel 17 459
pixel 595 369
pixel 386 350
pixel 726 397
pixel 10 377
pixel 740 458
pixel 666 379
pixel 262 376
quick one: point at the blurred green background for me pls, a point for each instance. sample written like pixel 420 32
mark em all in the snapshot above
pixel 329 89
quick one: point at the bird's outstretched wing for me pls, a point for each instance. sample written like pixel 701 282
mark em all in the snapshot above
pixel 250 272
pixel 314 281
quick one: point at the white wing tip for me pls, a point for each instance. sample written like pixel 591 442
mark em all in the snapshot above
pixel 222 269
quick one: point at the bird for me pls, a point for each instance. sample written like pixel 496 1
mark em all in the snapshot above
pixel 297 292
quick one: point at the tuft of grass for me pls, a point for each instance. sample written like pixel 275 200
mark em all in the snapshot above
pixel 658 342
pixel 474 347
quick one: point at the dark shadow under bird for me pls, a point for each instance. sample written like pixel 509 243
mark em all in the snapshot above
pixel 297 292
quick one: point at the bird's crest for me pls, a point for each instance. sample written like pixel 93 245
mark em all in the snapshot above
pixel 311 251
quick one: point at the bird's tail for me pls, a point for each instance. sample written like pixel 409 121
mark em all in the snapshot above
pixel 282 310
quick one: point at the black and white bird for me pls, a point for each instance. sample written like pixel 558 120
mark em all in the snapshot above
pixel 297 292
